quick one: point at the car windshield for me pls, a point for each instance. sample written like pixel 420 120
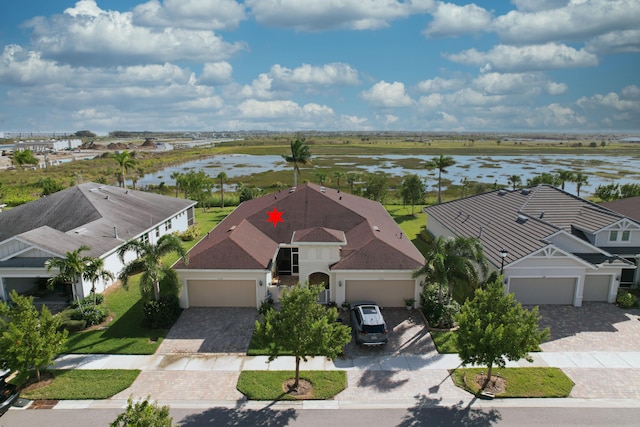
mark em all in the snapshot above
pixel 373 329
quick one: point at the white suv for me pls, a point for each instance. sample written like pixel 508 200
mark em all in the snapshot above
pixel 368 324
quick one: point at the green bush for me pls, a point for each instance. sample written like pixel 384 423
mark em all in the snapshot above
pixel 625 299
pixel 88 301
pixel 90 314
pixel 190 234
pixel 73 325
pixel 163 313
pixel 439 315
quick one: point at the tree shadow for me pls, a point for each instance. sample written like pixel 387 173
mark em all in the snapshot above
pixel 381 380
pixel 427 412
pixel 239 416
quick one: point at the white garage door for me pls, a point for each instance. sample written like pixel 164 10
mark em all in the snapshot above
pixel 557 290
pixel 596 288
pixel 386 293
pixel 222 293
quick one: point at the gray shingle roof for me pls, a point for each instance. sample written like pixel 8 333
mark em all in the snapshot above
pixel 520 221
pixel 245 240
pixel 87 214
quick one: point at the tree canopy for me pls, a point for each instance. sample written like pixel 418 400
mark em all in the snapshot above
pixel 494 328
pixel 412 191
pixel 302 327
pixel 441 163
pixel 300 154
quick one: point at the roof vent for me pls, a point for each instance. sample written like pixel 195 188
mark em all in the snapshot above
pixel 480 233
pixel 106 197
pixel 541 214
pixel 502 192
pixel 292 189
pixel 521 219
pixel 376 228
pixel 323 190
pixel 525 191
pixel 233 227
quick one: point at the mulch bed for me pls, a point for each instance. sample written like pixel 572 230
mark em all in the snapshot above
pixel 304 390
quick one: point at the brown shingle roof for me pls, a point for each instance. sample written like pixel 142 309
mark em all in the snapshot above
pixel 629 207
pixel 313 213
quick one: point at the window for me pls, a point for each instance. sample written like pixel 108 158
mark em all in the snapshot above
pixel 626 234
pixel 167 225
pixel 145 238
pixel 157 231
pixel 613 235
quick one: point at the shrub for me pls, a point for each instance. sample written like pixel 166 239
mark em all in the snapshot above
pixel 625 299
pixel 439 315
pixel 73 325
pixel 163 313
pixel 190 234
pixel 265 306
pixel 90 314
pixel 88 301
pixel 144 414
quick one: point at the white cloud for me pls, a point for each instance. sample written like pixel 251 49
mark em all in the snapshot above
pixel 387 95
pixel 326 75
pixel 21 67
pixel 627 101
pixel 86 34
pixel 439 84
pixel 281 109
pixel 215 73
pixel 517 83
pixel 538 5
pixel 615 42
pixel 317 15
pixel 504 58
pixel 579 20
pixel 556 116
pixel 194 14
pixel 451 20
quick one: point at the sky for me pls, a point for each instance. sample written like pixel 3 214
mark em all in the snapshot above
pixel 328 65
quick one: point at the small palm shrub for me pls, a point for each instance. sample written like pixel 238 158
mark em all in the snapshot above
pixel 438 314
pixel 625 299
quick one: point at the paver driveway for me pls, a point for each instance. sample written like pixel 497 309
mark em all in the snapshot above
pixel 211 330
pixel 595 326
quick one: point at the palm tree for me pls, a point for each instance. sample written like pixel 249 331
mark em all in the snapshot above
pixel 149 262
pixel 352 178
pixel 580 179
pixel 515 180
pixel 299 154
pixel 452 261
pixel 441 163
pixel 93 272
pixel 322 178
pixel 564 176
pixel 175 175
pixel 223 178
pixel 70 268
pixel 464 185
pixel 126 160
pixel 338 175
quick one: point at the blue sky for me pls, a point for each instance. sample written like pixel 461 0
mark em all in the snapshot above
pixel 414 65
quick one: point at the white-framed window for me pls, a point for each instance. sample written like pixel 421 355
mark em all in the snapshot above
pixel 167 225
pixel 613 235
pixel 626 235
pixel 157 232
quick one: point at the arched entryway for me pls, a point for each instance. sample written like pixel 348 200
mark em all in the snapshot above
pixel 319 278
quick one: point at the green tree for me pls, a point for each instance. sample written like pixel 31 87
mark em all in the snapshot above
pixel 338 175
pixel 125 160
pixel 322 177
pixel 23 157
pixel 70 269
pixel 94 271
pixel 352 178
pixel 494 328
pixel 412 191
pixel 49 186
pixel 222 178
pixel 303 327
pixel 580 179
pixel 177 176
pixel 299 155
pixel 629 190
pixel 248 192
pixel 144 414
pixel 543 178
pixel 515 180
pixel 464 185
pixel 149 262
pixel 441 163
pixel 453 261
pixel 564 176
pixel 608 192
pixel 28 339
pixel 376 187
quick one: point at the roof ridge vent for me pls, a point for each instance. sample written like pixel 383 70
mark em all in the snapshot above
pixel 521 219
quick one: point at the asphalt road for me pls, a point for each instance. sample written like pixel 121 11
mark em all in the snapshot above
pixel 413 417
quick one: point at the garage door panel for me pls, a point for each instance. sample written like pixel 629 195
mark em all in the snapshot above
pixel 222 293
pixel 558 290
pixel 386 293
pixel 596 288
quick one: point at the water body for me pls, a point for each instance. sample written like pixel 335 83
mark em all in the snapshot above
pixel 487 169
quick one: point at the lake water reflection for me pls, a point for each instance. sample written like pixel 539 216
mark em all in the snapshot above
pixel 488 169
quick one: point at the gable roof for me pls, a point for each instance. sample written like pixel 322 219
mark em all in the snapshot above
pixel 520 221
pixel 311 214
pixel 87 214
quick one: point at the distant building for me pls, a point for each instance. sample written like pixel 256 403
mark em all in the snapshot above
pixel 50 145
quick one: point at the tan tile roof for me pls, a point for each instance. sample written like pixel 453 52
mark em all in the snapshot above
pixel 311 212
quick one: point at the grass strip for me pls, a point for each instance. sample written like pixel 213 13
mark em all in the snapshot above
pixel 268 385
pixel 520 382
pixel 445 341
pixel 80 384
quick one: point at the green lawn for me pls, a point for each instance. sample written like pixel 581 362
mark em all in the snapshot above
pixel 411 225
pixel 445 341
pixel 268 385
pixel 125 334
pixel 84 384
pixel 520 382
